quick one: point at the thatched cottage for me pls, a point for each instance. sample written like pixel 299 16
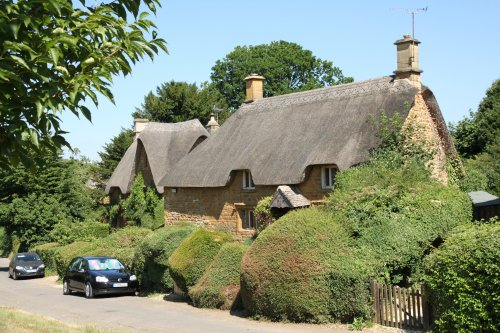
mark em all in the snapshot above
pixel 155 150
pixel 291 146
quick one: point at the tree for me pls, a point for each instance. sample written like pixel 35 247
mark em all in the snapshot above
pixel 55 56
pixel 286 66
pixel 181 101
pixel 113 153
pixel 472 135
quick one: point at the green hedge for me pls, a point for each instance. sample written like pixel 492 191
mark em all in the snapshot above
pixel 295 266
pixel 120 244
pixel 220 284
pixel 194 254
pixel 151 258
pixel 68 232
pixel 463 279
pixel 48 253
pixel 5 242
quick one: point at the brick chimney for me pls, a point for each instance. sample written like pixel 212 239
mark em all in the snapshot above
pixel 255 87
pixel 212 125
pixel 140 125
pixel 407 49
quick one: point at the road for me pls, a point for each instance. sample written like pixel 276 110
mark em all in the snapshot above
pixel 128 313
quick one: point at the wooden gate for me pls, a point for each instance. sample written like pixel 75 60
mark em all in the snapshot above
pixel 399 307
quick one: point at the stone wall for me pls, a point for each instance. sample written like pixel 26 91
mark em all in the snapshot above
pixel 218 207
pixel 426 128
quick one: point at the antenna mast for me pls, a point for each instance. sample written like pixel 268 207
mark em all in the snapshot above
pixel 413 11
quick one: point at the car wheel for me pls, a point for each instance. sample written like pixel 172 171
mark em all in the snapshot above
pixel 14 275
pixel 89 292
pixel 66 290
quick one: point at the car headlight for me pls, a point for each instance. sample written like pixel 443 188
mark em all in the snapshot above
pixel 133 277
pixel 21 268
pixel 101 279
pixel 41 266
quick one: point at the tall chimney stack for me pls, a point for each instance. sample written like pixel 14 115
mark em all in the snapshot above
pixel 139 125
pixel 255 87
pixel 212 125
pixel 407 49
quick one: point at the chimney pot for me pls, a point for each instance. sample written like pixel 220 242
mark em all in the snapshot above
pixel 254 87
pixel 212 125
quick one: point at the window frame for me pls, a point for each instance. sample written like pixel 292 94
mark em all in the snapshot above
pixel 248 183
pixel 328 183
pixel 247 218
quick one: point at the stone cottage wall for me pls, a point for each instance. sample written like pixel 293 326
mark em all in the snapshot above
pixel 218 207
pixel 420 118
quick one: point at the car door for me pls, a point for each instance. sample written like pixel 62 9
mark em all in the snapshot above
pixel 79 274
pixel 71 275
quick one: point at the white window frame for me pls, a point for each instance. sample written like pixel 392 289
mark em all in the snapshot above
pixel 328 181
pixel 248 183
pixel 247 217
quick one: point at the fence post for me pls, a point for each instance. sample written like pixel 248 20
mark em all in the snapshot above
pixel 425 310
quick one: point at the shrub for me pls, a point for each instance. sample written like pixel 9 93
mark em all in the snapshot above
pixel 194 254
pixel 151 258
pixel 463 281
pixel 5 242
pixel 120 244
pixel 220 284
pixel 68 232
pixel 48 253
pixel 297 265
pixel 263 213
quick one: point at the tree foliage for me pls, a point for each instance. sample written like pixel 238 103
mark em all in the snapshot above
pixel 463 281
pixel 286 66
pixel 55 56
pixel 472 135
pixel 180 101
pixel 113 153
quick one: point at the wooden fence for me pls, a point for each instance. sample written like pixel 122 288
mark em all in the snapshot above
pixel 399 307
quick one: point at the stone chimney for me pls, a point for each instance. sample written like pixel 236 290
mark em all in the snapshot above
pixel 212 125
pixel 139 126
pixel 255 87
pixel 408 60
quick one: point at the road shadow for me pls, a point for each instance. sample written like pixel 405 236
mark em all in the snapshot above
pixel 176 298
pixel 4 269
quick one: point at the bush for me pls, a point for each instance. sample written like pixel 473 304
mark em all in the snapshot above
pixel 120 244
pixel 68 232
pixel 463 281
pixel 263 213
pixel 48 253
pixel 194 254
pixel 297 265
pixel 151 258
pixel 220 284
pixel 5 242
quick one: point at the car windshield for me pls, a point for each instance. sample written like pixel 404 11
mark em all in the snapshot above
pixel 27 257
pixel 104 263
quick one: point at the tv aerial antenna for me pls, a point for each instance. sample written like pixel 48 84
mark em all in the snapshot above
pixel 216 110
pixel 413 11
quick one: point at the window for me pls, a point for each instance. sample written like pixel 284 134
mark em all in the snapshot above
pixel 247 219
pixel 328 176
pixel 247 180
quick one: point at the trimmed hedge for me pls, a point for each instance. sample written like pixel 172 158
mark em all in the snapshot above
pixel 194 254
pixel 219 286
pixel 5 242
pixel 314 265
pixel 120 244
pixel 68 232
pixel 463 279
pixel 151 258
pixel 47 253
pixel 294 268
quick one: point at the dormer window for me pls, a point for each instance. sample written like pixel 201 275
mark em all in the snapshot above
pixel 248 181
pixel 328 176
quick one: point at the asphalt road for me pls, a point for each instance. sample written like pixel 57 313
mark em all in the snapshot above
pixel 129 313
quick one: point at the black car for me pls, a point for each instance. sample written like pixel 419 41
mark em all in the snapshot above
pixel 97 276
pixel 26 264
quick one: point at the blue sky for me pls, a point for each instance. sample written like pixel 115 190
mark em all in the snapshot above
pixel 459 53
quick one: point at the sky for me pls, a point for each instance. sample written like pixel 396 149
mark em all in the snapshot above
pixel 459 51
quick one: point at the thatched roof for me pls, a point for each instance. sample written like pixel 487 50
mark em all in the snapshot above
pixel 277 138
pixel 288 197
pixel 164 145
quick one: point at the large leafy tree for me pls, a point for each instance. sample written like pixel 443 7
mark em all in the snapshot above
pixel 472 135
pixel 181 101
pixel 57 55
pixel 286 66
pixel 113 153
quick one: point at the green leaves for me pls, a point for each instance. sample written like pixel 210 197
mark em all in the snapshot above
pixel 53 56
